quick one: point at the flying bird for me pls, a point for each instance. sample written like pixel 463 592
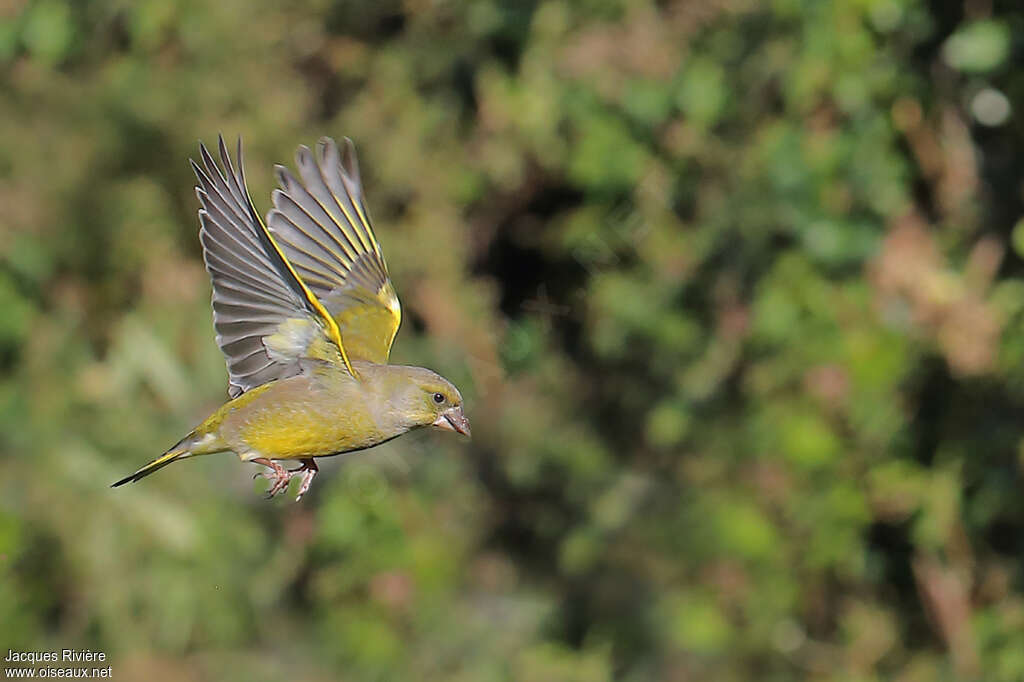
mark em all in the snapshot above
pixel 305 314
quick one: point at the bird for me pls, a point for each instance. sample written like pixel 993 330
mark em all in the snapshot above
pixel 305 314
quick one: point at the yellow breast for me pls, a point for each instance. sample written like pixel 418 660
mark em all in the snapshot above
pixel 297 418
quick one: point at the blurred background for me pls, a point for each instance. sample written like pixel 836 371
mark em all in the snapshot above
pixel 734 291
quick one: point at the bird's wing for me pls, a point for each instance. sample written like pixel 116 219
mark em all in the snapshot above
pixel 323 227
pixel 265 316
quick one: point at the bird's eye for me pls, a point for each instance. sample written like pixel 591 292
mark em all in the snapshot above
pixel 438 398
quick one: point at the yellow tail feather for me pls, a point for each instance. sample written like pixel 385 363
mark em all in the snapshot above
pixel 160 462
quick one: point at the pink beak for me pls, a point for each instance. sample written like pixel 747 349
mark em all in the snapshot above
pixel 453 419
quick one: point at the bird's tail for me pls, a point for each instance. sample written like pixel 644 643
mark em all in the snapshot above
pixel 180 449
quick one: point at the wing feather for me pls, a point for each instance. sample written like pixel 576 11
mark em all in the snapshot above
pixel 323 227
pixel 309 215
pixel 257 296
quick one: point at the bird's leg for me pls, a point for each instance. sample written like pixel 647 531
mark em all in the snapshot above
pixel 308 469
pixel 278 475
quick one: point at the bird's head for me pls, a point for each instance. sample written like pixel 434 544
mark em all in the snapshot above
pixel 425 398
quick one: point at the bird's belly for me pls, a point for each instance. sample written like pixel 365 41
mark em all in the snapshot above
pixel 299 428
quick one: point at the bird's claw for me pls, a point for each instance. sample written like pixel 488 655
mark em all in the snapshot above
pixel 280 477
pixel 278 481
pixel 277 475
pixel 308 470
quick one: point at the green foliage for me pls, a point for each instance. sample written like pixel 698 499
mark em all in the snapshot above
pixel 734 291
pixel 978 47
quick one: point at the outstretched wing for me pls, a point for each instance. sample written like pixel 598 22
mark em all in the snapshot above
pixel 323 227
pixel 266 318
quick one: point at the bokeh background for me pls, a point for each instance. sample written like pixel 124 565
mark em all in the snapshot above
pixel 734 291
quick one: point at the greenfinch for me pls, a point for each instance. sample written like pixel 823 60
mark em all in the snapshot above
pixel 305 314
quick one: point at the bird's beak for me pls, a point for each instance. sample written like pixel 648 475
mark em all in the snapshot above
pixel 453 419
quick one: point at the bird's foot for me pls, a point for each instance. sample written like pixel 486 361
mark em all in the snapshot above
pixel 280 477
pixel 308 469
